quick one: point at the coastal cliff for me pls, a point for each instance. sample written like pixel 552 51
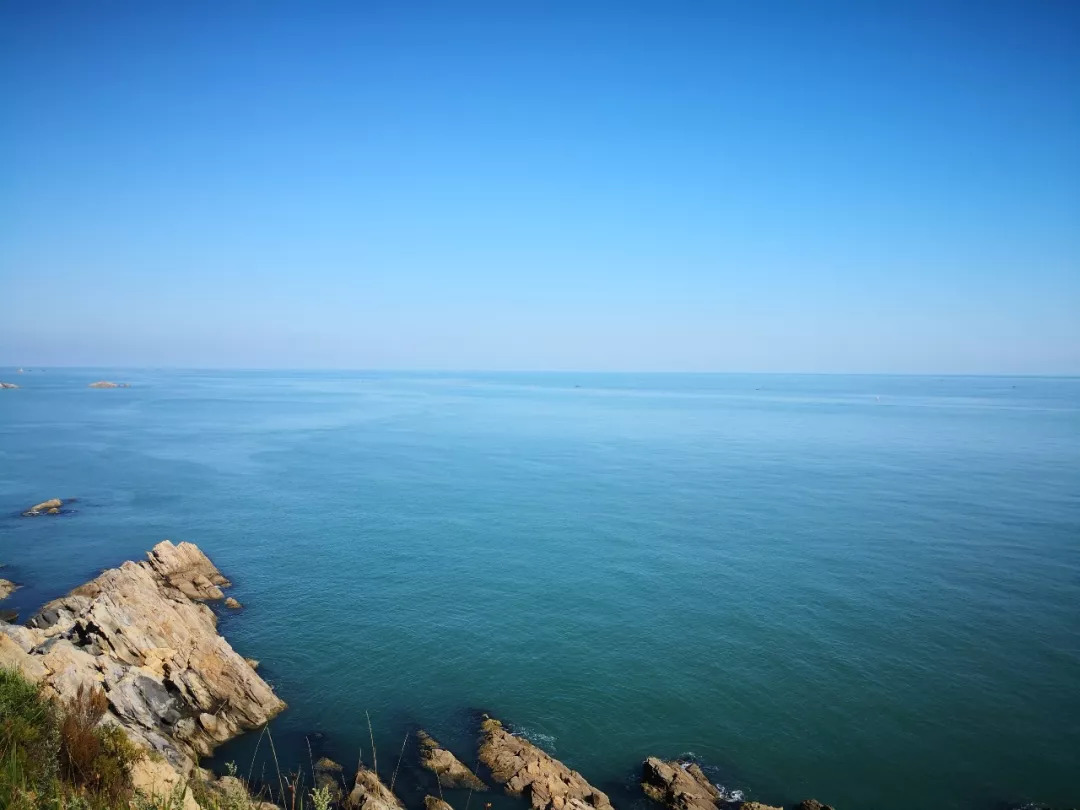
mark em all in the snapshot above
pixel 143 634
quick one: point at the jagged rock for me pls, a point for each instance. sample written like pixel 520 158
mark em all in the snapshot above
pixel 519 765
pixel 7 588
pixel 107 384
pixel 758 806
pixel 173 684
pixel 8 385
pixel 328 775
pixel 232 603
pixel 452 772
pixel 369 793
pixel 49 507
pixel 678 785
pixel 252 662
pixel 812 804
pixel 433 803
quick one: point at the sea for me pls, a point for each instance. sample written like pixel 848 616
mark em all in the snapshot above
pixel 864 589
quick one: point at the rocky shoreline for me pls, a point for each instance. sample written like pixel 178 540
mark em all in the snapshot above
pixel 144 634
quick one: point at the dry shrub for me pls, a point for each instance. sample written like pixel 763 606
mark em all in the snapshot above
pixel 97 758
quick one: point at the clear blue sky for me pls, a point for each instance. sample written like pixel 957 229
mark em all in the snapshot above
pixel 752 186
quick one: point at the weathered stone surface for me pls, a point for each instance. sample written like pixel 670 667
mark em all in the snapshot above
pixel 435 803
pixel 49 507
pixel 174 684
pixel 7 588
pixel 232 603
pixel 451 771
pixel 520 766
pixel 369 793
pixel 678 785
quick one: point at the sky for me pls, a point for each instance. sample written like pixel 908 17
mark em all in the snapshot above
pixel 863 186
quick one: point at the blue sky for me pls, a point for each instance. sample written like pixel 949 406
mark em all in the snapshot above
pixel 770 186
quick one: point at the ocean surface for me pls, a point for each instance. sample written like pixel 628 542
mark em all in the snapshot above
pixel 863 589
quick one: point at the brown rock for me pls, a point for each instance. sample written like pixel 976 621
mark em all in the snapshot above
pixel 520 766
pixel 252 662
pixel 232 603
pixel 328 775
pixel 49 507
pixel 7 588
pixel 812 804
pixel 432 803
pixel 452 772
pixel 369 793
pixel 758 806
pixel 173 683
pixel 678 785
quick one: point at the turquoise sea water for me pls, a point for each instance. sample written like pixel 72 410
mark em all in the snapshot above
pixel 864 589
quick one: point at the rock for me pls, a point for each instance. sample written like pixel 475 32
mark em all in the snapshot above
pixel 8 615
pixel 49 507
pixel 432 803
pixel 520 766
pixel 7 588
pixel 678 785
pixel 8 385
pixel 252 662
pixel 369 793
pixel 450 770
pixel 188 570
pixel 758 806
pixel 172 683
pixel 107 384
pixel 328 775
pixel 232 603
pixel 812 804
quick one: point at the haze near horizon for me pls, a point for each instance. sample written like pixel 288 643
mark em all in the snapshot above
pixel 827 187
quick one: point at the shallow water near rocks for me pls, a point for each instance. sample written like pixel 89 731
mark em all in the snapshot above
pixel 864 589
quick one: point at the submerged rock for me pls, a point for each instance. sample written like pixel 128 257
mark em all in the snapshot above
pixel 49 507
pixel 450 770
pixel 137 632
pixel 433 803
pixel 369 793
pixel 678 785
pixel 520 766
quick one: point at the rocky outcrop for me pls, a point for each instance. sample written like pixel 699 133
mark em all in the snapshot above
pixel 812 804
pixel 8 385
pixel 139 633
pixel 49 507
pixel 433 803
pixel 521 767
pixel 107 384
pixel 232 603
pixel 369 793
pixel 450 770
pixel 757 806
pixel 327 774
pixel 7 588
pixel 678 785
